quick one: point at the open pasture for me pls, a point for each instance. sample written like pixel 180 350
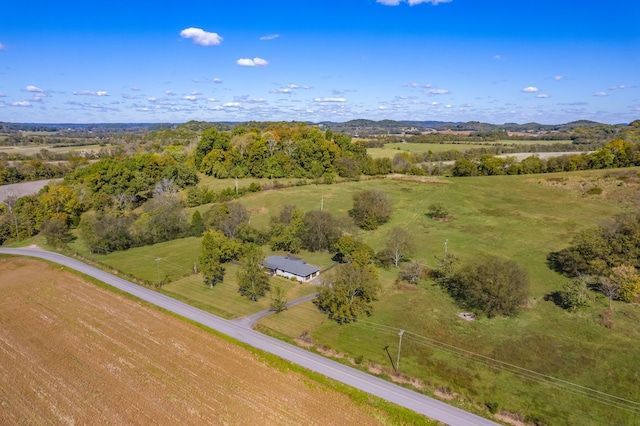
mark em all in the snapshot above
pixel 391 149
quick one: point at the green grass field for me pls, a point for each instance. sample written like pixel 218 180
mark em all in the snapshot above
pixel 392 149
pixel 522 218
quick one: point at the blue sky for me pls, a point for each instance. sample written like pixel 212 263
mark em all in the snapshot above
pixel 458 60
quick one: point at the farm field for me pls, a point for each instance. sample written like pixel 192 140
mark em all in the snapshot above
pixel 74 353
pixel 392 149
pixel 32 150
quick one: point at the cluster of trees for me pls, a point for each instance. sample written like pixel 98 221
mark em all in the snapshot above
pixel 20 171
pixel 280 151
pixel 604 258
pixel 107 181
pixel 493 286
pixel 617 153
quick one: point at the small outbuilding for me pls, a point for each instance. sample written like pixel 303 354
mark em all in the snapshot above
pixel 291 267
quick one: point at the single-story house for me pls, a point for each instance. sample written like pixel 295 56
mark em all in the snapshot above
pixel 291 267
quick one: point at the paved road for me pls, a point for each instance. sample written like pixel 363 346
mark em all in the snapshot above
pixel 412 400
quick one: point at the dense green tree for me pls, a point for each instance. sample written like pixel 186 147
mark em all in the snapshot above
pixel 321 230
pixel 464 167
pixel 371 208
pixel 350 250
pixel 575 293
pixel 278 299
pixel 495 287
pixel 348 292
pixel 215 250
pixel 253 282
pixel 197 224
pixel 105 232
pixel 56 231
pixel 287 229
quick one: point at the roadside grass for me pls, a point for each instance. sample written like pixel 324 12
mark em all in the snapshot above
pixel 224 299
pixel 175 269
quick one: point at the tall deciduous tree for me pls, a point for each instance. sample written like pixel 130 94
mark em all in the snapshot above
pixel 400 243
pixel 371 208
pixel 321 230
pixel 253 282
pixel 348 292
pixel 215 250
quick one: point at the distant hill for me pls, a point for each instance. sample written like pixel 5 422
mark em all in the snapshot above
pixel 359 127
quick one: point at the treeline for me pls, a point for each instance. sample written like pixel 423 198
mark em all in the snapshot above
pixel 102 194
pixel 283 151
pixel 17 172
pixel 604 259
pixel 617 153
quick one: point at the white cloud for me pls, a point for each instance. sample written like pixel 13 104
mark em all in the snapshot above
pixel 330 100
pixel 621 87
pixel 33 89
pixel 152 99
pixel 212 100
pixel 255 62
pixel 436 92
pixel 195 93
pixel 411 2
pixel 270 37
pixel 410 85
pixel 169 93
pixel 189 98
pixel 232 105
pixel 201 37
pixel 3 46
pixel 600 94
pixel 21 104
pixel 558 77
pixel 217 80
pixel 90 93
pixel 530 89
pixel 2 95
pixel 285 90
pixel 543 96
pixel 497 57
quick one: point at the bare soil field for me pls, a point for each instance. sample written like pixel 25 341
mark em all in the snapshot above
pixel 74 353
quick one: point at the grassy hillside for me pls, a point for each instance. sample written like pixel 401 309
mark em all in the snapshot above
pixel 518 217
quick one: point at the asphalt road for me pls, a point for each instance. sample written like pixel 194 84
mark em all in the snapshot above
pixel 412 400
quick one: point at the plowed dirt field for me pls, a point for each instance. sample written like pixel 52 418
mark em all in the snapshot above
pixel 73 353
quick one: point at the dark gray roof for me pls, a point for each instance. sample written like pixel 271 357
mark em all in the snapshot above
pixel 293 265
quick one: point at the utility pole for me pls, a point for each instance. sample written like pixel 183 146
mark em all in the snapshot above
pixel 399 346
pixel 158 264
